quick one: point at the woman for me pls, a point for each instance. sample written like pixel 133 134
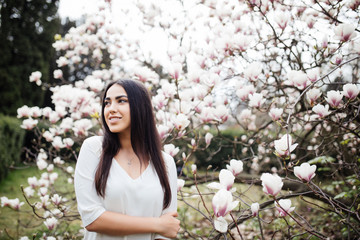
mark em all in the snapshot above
pixel 125 186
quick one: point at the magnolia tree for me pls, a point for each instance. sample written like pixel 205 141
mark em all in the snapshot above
pixel 283 75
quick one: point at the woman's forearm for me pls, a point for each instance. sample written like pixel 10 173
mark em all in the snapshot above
pixel 112 223
pixel 117 224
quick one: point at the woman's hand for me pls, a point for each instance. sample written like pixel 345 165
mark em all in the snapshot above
pixel 169 225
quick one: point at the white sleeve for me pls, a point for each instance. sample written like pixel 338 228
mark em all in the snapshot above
pixel 172 175
pixel 89 204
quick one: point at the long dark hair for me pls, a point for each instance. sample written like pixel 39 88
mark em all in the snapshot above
pixel 145 139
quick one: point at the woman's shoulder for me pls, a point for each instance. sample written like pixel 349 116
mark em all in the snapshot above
pixel 93 143
pixel 93 140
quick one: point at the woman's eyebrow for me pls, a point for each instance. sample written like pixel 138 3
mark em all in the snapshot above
pixel 117 97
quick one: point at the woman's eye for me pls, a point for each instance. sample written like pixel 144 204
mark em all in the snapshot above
pixel 106 103
pixel 122 101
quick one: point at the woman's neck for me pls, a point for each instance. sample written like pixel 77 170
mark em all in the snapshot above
pixel 125 142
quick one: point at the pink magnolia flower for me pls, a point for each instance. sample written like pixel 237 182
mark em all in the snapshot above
pixel 299 79
pixel 344 32
pixel 50 223
pixel 321 111
pixel 283 145
pixel 313 74
pixel 68 142
pixel 175 70
pixel 275 113
pixel 33 182
pixel 58 143
pixel 171 149
pixel 15 204
pixel 221 113
pixel 226 179
pixel 163 131
pixel 24 111
pixel 312 95
pixel 54 117
pixel 35 77
pixel 82 126
pixel 159 101
pixel 334 98
pixel 236 167
pixel 181 122
pixel 272 184
pixel 350 91
pixel 62 61
pixel 58 74
pixel 282 19
pixel 305 172
pixel 255 209
pixel 4 202
pixel 256 100
pixel 56 199
pixel 243 93
pixel 29 123
pixel 35 112
pixel 284 207
pixel 223 203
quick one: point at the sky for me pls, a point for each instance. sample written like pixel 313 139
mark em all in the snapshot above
pixel 74 9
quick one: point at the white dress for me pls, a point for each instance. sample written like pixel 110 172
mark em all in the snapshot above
pixel 142 196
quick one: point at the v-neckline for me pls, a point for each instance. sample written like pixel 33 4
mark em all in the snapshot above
pixel 127 174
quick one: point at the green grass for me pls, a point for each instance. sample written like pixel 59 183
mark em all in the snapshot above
pixel 14 224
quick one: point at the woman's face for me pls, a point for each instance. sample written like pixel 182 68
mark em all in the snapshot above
pixel 117 110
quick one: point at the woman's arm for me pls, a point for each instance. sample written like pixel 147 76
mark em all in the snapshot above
pixel 112 223
pixel 172 175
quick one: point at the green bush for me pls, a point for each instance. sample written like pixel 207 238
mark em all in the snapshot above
pixel 220 151
pixel 11 142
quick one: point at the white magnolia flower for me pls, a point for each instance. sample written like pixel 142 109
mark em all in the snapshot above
pixel 271 183
pixel 36 77
pixel 253 71
pixel 56 199
pixel 256 100
pixel 221 224
pixel 344 32
pixel 208 137
pixel 58 74
pixel 50 223
pixel 193 168
pixel 29 123
pixel 283 145
pixel 321 111
pixel 180 184
pixel 275 113
pixel 236 166
pixel 181 122
pixel 350 91
pixel 223 203
pixel 282 18
pixel 284 207
pixel 312 95
pixel 334 98
pixel 255 209
pixel 305 172
pixel 24 111
pixel 171 149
